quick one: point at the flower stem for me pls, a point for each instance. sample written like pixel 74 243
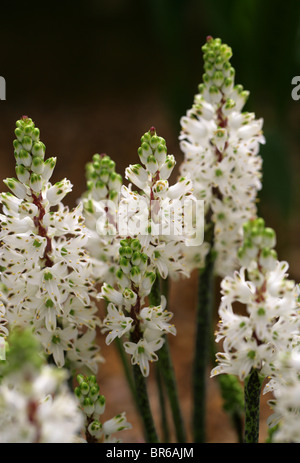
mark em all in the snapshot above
pixel 252 388
pixel 144 405
pixel 167 372
pixel 202 345
pixel 162 404
pixel 127 369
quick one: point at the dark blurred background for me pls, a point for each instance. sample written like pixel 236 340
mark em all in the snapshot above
pixel 95 75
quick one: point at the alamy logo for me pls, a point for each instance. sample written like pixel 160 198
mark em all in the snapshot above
pixel 296 89
pixel 183 219
pixel 2 88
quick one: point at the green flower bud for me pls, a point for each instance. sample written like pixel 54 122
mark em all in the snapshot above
pixel 22 173
pixel 36 182
pixel 24 158
pixel 135 274
pixel 27 143
pixel 125 264
pixel 135 245
pixel 37 165
pixel 84 388
pixel 99 405
pixel 95 429
pixel 88 406
pixel 17 146
pixel 38 149
pixel 136 258
pixel 94 391
pixel 19 133
pixel 80 378
pixel 269 237
pixel 35 135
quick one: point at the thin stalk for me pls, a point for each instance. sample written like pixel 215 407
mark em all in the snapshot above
pixel 202 345
pixel 252 389
pixel 167 371
pixel 144 406
pixel 233 402
pixel 232 393
pixel 127 369
pixel 171 387
pixel 162 403
pixel 140 384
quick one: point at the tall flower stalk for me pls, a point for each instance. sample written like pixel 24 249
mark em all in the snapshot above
pixel 46 274
pixel 150 230
pixel 163 230
pixel 144 326
pixel 220 145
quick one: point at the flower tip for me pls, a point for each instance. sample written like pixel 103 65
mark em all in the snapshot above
pixel 152 130
pixel 209 38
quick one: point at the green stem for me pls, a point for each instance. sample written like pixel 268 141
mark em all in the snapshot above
pixel 233 402
pixel 162 403
pixel 127 369
pixel 252 389
pixel 202 346
pixel 144 405
pixel 167 371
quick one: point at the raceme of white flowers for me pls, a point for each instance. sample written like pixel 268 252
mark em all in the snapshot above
pixel 269 325
pixel 92 404
pixel 221 154
pixel 285 385
pixel 39 409
pixel 100 203
pixel 159 214
pixel 46 275
pixel 127 314
pixel 36 404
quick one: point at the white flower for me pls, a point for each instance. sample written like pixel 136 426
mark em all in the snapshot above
pixel 57 341
pixel 157 319
pixel 115 424
pixel 116 323
pixel 237 287
pixel 143 352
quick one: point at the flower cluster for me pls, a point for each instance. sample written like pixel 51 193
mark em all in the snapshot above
pixel 100 203
pixel 252 340
pixel 45 273
pixel 159 215
pixel 36 405
pixel 126 310
pixel 285 421
pixel 220 145
pixel 93 406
